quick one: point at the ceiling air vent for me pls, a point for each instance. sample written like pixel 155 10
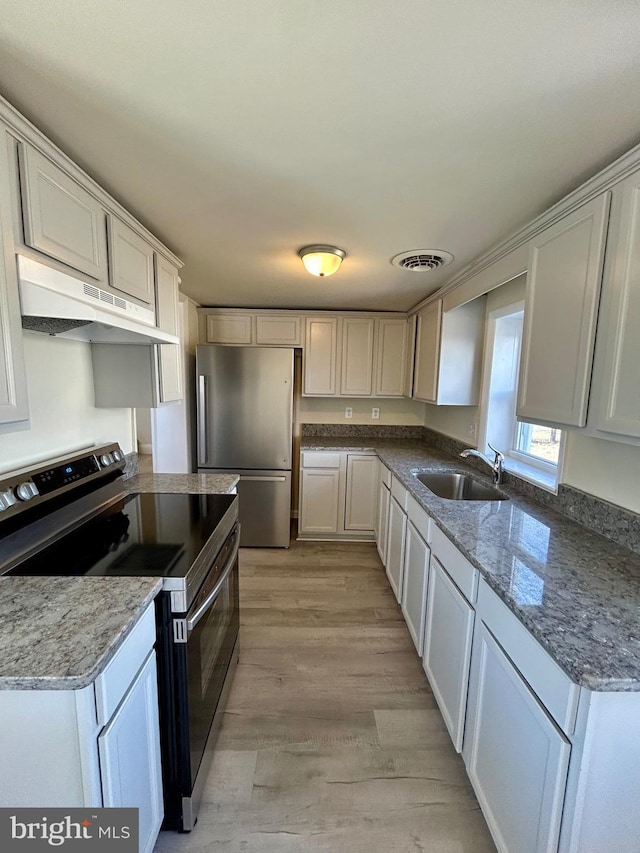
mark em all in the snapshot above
pixel 422 260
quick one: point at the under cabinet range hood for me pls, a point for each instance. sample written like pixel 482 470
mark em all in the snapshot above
pixel 56 303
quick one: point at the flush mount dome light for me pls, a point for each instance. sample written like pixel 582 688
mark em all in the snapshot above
pixel 321 260
pixel 422 260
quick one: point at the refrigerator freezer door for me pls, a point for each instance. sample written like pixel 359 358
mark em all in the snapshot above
pixel 245 407
pixel 264 504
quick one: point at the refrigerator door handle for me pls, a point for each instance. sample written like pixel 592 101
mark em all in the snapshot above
pixel 267 479
pixel 203 428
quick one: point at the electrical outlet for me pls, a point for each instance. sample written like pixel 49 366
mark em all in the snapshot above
pixel 375 413
pixel 348 412
pixel 471 431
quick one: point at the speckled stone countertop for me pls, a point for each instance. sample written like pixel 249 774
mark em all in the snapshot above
pixel 575 590
pixel 189 484
pixel 59 633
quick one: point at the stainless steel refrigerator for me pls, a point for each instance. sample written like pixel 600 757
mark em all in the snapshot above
pixel 245 413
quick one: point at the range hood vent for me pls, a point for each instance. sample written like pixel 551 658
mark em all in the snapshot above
pixel 55 303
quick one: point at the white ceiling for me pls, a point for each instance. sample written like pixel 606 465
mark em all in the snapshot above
pixel 239 131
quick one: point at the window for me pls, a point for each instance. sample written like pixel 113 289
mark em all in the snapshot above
pixel 531 451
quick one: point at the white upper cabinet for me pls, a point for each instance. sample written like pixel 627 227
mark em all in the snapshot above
pixel 448 354
pixel 425 383
pixel 616 393
pixel 391 357
pixel 278 330
pixel 229 329
pixel 169 355
pixel 355 356
pixel 320 356
pixel 60 218
pixel 356 376
pixel 130 262
pixel 561 310
pixel 13 381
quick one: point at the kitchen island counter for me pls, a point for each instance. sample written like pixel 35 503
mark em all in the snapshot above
pixel 577 591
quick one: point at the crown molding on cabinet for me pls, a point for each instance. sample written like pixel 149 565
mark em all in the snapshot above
pixel 22 128
pixel 603 180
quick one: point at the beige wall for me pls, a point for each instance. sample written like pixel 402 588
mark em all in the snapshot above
pixel 609 470
pixel 328 410
pixel 63 417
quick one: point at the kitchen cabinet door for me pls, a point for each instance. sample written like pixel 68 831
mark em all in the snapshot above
pixel 279 331
pixel 516 758
pixel 319 500
pixel 427 357
pixel 130 262
pixel 395 546
pixel 414 585
pixel 229 329
pixel 361 492
pixel 169 355
pixel 356 377
pixel 561 309
pixel 129 748
pixel 61 219
pixel 447 649
pixel 320 356
pixel 412 325
pixel 13 380
pixel 617 403
pixel 391 357
pixel 382 538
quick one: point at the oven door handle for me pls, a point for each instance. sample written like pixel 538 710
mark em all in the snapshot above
pixel 206 604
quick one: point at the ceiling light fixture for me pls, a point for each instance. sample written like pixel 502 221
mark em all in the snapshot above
pixel 322 260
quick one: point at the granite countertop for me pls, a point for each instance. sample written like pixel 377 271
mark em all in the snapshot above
pixel 206 484
pixel 575 590
pixel 59 633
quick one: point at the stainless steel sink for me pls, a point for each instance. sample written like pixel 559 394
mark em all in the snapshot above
pixel 459 487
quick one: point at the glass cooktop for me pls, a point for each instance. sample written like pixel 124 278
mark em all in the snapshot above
pixel 155 535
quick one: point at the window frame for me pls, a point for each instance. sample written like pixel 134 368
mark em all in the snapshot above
pixel 541 473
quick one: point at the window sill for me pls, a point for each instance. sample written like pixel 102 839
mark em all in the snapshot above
pixel 542 479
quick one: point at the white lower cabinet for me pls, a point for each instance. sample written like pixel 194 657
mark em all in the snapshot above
pixel 396 546
pixel 95 746
pixel 319 500
pixel 338 497
pixel 382 530
pixel 516 757
pixel 130 756
pixel 361 495
pixel 414 585
pixel 447 649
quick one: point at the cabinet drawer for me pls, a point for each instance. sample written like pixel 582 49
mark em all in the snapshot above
pixel 385 475
pixel 419 518
pixel 113 682
pixel 463 574
pixel 552 686
pixel 399 492
pixel 320 459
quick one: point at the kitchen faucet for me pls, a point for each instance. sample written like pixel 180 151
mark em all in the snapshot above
pixel 496 465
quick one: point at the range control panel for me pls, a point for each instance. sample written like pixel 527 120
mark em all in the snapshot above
pixel 59 475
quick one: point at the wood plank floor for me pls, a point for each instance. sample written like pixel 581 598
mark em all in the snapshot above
pixel 332 740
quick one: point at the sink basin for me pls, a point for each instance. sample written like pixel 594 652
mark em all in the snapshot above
pixel 459 487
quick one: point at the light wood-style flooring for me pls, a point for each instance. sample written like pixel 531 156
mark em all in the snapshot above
pixel 332 740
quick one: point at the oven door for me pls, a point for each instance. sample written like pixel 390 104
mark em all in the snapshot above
pixel 204 651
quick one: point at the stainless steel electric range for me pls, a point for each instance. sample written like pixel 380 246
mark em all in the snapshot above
pixel 73 516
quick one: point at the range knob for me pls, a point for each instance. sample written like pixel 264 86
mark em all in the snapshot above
pixel 105 459
pixel 26 491
pixel 117 456
pixel 7 499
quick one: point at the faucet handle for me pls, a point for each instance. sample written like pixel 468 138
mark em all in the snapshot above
pixel 499 455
